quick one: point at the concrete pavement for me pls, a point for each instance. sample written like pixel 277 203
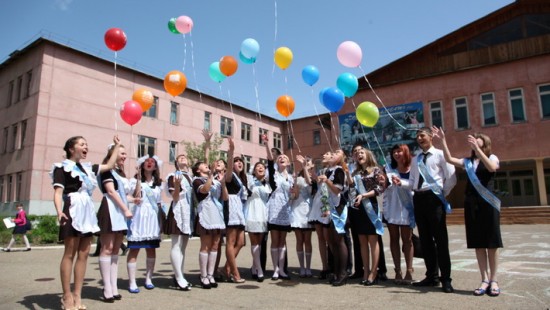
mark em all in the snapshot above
pixel 31 281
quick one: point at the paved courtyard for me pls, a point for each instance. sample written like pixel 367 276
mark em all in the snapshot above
pixel 31 281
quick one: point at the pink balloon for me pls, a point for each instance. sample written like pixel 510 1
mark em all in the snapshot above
pixel 184 24
pixel 349 54
pixel 131 112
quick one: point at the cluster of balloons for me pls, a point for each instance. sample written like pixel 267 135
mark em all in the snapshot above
pixel 219 70
pixel 132 110
pixel 115 39
pixel 182 24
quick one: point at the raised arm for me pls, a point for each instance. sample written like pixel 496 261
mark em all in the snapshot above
pixel 112 160
pixel 440 134
pixel 265 139
pixel 489 164
pixel 229 172
pixel 207 136
pixel 303 161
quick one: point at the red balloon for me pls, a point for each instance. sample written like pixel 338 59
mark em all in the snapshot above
pixel 115 39
pixel 131 112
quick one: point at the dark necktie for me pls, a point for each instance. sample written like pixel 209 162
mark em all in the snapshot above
pixel 420 178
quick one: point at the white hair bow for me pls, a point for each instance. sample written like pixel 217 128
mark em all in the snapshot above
pixel 142 159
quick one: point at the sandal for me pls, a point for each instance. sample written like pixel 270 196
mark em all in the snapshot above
pixel 481 290
pixel 494 290
pixel 398 276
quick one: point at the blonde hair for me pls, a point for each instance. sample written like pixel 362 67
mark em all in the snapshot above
pixel 370 163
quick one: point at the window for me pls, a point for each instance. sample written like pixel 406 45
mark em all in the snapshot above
pixel 8 190
pixel 207 116
pixel 290 142
pixel 517 108
pixel 10 93
pixel 146 146
pixel 544 94
pixel 23 134
pixel 436 114
pixel 247 163
pixel 488 116
pixel 14 137
pixel 5 137
pixel 19 88
pixel 246 132
pixel 316 137
pixel 174 112
pixel 152 112
pixel 261 132
pixel 226 126
pixel 2 189
pixel 277 140
pixel 173 152
pixel 29 84
pixel 461 109
pixel 263 161
pixel 19 186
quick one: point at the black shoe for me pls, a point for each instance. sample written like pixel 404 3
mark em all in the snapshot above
pixel 369 282
pixel 179 287
pixel 447 287
pixel 28 249
pixel 205 284
pixel 117 297
pixel 382 276
pixel 341 282
pixel 260 279
pixel 6 250
pixel 356 276
pixel 124 252
pixel 109 300
pixel 427 282
pixel 323 274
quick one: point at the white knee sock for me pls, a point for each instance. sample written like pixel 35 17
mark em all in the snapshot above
pixel 282 252
pixel 150 265
pixel 12 241
pixel 176 257
pixel 105 270
pixel 183 246
pixel 26 240
pixel 203 263
pixel 256 262
pixel 211 262
pixel 114 274
pixel 132 275
pixel 275 260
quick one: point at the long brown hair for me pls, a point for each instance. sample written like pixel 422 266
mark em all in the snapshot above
pixel 486 148
pixel 110 150
pixel 370 162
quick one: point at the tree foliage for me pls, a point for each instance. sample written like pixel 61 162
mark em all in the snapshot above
pixel 195 152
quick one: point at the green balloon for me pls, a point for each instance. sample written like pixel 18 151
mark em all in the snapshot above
pixel 172 26
pixel 367 114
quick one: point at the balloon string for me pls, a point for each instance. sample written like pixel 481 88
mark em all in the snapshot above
pixel 274 39
pixel 362 127
pixel 294 137
pixel 380 100
pixel 379 147
pixel 289 129
pixel 320 122
pixel 116 125
pixel 335 132
pixel 184 52
pixel 255 81
pixel 234 119
pixel 193 65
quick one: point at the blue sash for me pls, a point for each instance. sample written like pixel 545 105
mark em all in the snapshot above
pixel 150 196
pixel 85 179
pixel 483 191
pixel 405 196
pixel 120 189
pixel 373 216
pixel 428 179
pixel 339 220
pixel 242 193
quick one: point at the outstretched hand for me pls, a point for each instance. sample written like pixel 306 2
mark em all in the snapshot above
pixel 472 143
pixel 116 140
pixel 207 135
pixel 231 144
pixel 438 132
pixel 301 159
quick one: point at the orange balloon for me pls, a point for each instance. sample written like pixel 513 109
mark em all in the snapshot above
pixel 175 82
pixel 228 65
pixel 144 97
pixel 285 105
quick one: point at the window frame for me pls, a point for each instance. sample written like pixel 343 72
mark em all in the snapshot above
pixel 461 105
pixel 278 140
pixel 316 137
pixel 146 144
pixel 174 113
pixel 510 98
pixel 435 109
pixel 262 131
pixel 172 151
pixel 28 77
pixel 153 110
pixel 207 125
pixel 483 102
pixel 246 132
pixel 546 94
pixel 226 124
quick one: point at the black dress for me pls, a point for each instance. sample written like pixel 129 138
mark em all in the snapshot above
pixel 482 221
pixel 359 220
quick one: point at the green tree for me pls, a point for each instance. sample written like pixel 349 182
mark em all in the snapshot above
pixel 195 152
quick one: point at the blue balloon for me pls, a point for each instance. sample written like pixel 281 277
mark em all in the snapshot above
pixel 310 75
pixel 250 48
pixel 333 99
pixel 215 74
pixel 321 95
pixel 348 84
pixel 245 60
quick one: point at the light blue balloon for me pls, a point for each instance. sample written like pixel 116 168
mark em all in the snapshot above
pixel 215 74
pixel 321 95
pixel 348 84
pixel 310 75
pixel 245 60
pixel 250 48
pixel 333 99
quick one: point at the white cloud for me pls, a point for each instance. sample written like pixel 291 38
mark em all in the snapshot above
pixel 63 4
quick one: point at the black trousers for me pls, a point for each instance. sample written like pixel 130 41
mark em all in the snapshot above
pixel 430 217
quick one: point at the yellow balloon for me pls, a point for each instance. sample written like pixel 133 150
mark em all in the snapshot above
pixel 367 114
pixel 283 57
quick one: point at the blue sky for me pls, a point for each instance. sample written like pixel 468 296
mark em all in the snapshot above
pixel 385 30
